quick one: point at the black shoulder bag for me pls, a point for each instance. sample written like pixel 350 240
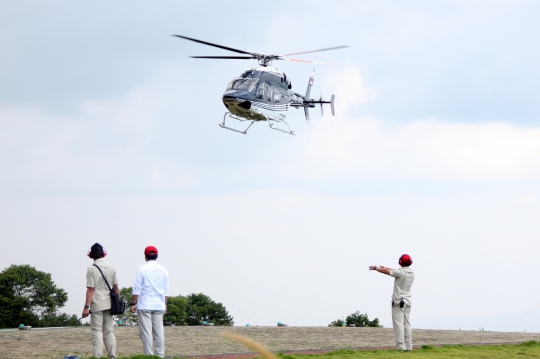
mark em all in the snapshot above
pixel 118 306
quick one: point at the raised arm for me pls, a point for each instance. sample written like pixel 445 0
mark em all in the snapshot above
pixel 381 269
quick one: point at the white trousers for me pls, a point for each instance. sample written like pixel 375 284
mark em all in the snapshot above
pixel 402 326
pixel 102 324
pixel 150 324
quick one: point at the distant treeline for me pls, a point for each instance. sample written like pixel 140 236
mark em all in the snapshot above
pixel 193 309
pixel 356 319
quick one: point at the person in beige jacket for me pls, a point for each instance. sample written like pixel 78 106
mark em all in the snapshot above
pixel 98 302
pixel 401 300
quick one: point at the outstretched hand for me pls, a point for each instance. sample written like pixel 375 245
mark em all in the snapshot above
pixel 381 269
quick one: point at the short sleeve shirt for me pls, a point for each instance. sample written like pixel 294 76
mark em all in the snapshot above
pixel 404 278
pixel 102 296
pixel 152 286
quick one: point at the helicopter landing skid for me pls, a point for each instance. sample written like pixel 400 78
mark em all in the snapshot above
pixel 235 117
pixel 290 132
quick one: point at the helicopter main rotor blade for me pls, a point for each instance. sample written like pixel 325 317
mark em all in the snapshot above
pixel 307 61
pixel 223 57
pixel 214 45
pixel 327 49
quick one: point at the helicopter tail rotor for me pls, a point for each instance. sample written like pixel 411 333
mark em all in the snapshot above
pixel 331 102
pixel 320 103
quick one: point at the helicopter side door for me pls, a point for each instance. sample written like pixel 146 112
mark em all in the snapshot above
pixel 281 96
pixel 270 94
pixel 275 95
pixel 262 90
pixel 276 100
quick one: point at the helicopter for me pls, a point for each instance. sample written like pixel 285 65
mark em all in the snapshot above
pixel 263 93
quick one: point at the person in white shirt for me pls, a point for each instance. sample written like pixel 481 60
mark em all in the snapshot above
pixel 149 300
pixel 401 300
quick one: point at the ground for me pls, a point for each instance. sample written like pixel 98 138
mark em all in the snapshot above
pixel 207 341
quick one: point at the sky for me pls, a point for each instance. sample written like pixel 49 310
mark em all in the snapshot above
pixel 109 133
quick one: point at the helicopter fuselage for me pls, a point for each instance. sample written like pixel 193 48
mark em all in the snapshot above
pixel 261 94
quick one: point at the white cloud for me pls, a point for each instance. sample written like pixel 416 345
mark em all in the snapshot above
pixel 423 148
pixel 349 84
pixel 109 143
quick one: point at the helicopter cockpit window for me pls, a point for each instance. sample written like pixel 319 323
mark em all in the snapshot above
pixel 243 84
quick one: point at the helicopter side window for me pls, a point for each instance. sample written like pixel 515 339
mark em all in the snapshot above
pixel 275 79
pixel 270 94
pixel 277 95
pixel 261 90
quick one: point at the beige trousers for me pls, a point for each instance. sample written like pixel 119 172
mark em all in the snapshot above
pixel 150 324
pixel 402 326
pixel 102 324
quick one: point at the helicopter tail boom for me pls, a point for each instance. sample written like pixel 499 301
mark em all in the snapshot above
pixel 311 103
pixel 307 102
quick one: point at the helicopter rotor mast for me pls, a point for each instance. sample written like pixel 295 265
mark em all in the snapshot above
pixel 264 60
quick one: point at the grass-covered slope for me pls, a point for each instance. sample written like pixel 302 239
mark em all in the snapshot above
pixel 529 349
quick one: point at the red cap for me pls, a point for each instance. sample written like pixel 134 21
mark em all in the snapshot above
pixel 150 250
pixel 405 259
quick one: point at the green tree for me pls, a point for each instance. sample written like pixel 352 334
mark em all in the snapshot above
pixel 58 320
pixel 127 318
pixel 195 309
pixel 202 308
pixel 177 308
pixel 361 320
pixel 336 323
pixel 30 297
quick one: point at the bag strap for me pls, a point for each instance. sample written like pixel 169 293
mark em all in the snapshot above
pixel 103 275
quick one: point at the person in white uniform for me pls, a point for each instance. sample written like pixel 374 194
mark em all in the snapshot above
pixel 149 300
pixel 401 300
